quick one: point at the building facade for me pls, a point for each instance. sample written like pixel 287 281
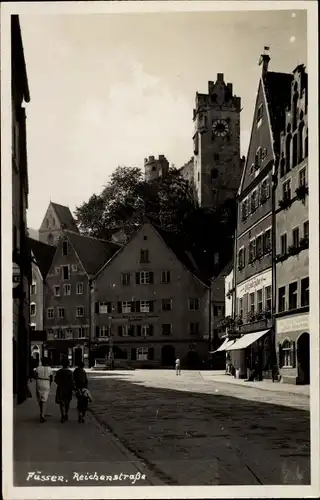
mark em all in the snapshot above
pixel 68 296
pixel 254 236
pixel 150 305
pixel 292 239
pixel 155 168
pixel 57 219
pixel 20 189
pixel 217 164
pixel 41 255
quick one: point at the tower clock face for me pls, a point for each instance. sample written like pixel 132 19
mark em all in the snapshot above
pixel 220 128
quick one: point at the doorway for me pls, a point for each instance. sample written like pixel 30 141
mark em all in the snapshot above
pixel 168 356
pixel 303 358
pixel 78 356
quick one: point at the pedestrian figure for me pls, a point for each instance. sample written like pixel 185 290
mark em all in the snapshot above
pixel 84 398
pixel 178 368
pixel 80 377
pixel 64 381
pixel 44 377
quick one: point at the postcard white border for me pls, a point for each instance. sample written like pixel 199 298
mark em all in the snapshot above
pixel 50 8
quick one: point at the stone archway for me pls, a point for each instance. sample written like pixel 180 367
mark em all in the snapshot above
pixel 303 358
pixel 168 356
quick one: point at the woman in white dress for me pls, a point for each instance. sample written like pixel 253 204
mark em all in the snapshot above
pixel 44 378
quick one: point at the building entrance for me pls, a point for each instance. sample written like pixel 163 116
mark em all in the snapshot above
pixel 168 356
pixel 78 357
pixel 303 358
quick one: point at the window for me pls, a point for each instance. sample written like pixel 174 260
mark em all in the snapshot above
pixel 64 248
pixel 282 299
pixel 80 288
pixel 306 229
pixel 50 334
pixel 295 237
pixel 259 115
pixel 194 328
pixel 193 304
pixel 241 262
pixel 244 209
pixel 166 329
pixel 267 241
pixel 67 289
pixel 57 270
pixel 147 330
pixel 286 190
pixel 123 330
pixel 146 306
pixel 81 332
pixel 144 255
pixel 60 334
pixel 254 201
pixel 126 306
pixel 79 311
pixel 56 290
pixel 286 354
pixel 166 305
pixel 61 312
pixel 74 268
pixel 305 292
pixel 69 333
pixel 252 250
pixel 50 313
pixel 33 289
pixel 259 301
pixel 65 273
pixel 267 298
pixel 144 278
pixel 293 295
pixel 165 277
pixel 125 278
pixel 302 177
pixel 142 353
pixel 104 331
pixel 104 308
pixel 283 243
pixel 241 308
pixel 251 303
pixel 263 197
pixel 259 246
pixel 32 309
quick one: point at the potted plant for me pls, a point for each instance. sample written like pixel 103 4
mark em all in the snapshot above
pixel 302 192
pixel 285 203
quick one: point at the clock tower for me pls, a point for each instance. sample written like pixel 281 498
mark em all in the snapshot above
pixel 217 164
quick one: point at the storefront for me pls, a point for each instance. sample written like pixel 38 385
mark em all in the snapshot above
pixel 293 348
pixel 250 351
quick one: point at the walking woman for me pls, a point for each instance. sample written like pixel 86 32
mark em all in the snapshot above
pixel 64 381
pixel 44 378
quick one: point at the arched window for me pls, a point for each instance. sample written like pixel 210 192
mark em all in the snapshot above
pixel 286 353
pixel 295 111
pixel 288 152
pixel 300 143
pixel 295 150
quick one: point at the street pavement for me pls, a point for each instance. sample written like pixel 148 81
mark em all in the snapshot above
pixel 70 454
pixel 194 429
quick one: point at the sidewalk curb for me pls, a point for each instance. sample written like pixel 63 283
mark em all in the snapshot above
pixel 131 455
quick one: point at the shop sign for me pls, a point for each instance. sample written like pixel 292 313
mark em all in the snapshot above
pixel 293 323
pixel 254 284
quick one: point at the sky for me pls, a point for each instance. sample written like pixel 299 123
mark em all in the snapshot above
pixel 112 89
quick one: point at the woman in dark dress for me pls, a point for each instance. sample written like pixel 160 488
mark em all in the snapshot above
pixel 64 381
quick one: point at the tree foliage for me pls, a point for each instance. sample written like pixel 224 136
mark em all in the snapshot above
pixel 168 202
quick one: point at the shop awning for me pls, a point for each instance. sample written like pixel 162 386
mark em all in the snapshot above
pixel 223 346
pixel 246 340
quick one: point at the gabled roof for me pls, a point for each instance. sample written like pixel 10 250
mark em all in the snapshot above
pixel 65 217
pixel 277 88
pixel 185 255
pixel 43 255
pixel 93 253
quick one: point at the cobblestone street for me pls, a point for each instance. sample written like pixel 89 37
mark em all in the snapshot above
pixel 193 430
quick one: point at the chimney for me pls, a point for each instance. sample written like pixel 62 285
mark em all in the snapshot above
pixel 229 87
pixel 220 77
pixel 264 61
